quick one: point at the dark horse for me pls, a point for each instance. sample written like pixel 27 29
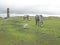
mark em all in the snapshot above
pixel 37 19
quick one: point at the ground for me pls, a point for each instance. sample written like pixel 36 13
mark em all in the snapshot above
pixel 13 33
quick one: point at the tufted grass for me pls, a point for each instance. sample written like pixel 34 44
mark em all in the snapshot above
pixel 13 33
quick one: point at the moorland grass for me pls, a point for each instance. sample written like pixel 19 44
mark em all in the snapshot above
pixel 13 33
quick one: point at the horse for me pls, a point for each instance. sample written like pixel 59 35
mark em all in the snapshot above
pixel 39 20
pixel 26 17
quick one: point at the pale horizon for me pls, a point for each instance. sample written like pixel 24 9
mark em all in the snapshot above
pixel 13 15
pixel 51 7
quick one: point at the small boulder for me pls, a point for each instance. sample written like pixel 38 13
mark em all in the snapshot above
pixel 25 25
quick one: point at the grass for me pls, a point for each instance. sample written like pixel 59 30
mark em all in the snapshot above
pixel 13 33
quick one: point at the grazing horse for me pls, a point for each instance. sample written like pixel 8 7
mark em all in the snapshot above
pixel 26 17
pixel 39 20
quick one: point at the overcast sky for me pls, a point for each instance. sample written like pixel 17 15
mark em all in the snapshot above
pixel 31 6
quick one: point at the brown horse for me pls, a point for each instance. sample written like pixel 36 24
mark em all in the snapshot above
pixel 26 17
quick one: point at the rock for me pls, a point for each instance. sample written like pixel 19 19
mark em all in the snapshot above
pixel 25 25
